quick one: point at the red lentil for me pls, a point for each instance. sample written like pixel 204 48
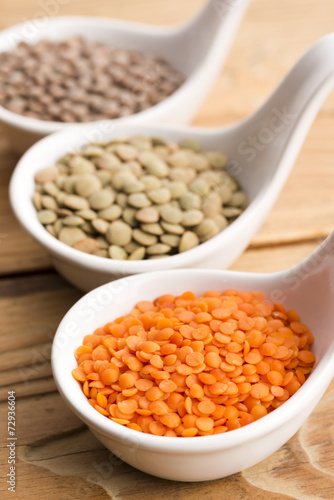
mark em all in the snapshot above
pixel 186 366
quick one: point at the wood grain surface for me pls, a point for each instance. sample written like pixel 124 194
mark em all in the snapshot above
pixel 58 458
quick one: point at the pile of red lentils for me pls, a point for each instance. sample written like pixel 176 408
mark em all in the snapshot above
pixel 186 366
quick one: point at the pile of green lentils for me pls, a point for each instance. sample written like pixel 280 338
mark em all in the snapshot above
pixel 137 198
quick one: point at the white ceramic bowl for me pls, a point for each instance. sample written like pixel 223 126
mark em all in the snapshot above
pixel 197 458
pixel 197 49
pixel 87 271
pixel 280 125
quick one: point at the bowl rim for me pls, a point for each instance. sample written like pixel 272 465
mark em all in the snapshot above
pixel 258 429
pixel 37 126
pixel 20 199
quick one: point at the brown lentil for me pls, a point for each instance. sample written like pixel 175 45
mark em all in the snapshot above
pixel 90 81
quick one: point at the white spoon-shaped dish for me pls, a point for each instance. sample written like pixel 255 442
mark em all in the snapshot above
pixel 262 150
pixel 197 49
pixel 308 288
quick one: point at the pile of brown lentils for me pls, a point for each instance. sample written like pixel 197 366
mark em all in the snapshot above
pixel 138 198
pixel 79 80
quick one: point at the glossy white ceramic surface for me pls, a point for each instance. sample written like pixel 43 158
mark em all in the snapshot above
pixel 197 48
pixel 308 288
pixel 278 129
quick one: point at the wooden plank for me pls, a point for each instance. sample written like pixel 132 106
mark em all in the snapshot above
pixel 26 374
pixel 58 457
pixel 251 72
pixel 37 482
pixel 23 389
pixel 31 319
pixel 18 252
pixel 272 36
pixel 274 259
pixel 148 11
pixel 51 421
pixel 305 207
pixel 24 357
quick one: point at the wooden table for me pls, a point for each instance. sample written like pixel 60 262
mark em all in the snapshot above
pixel 58 458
